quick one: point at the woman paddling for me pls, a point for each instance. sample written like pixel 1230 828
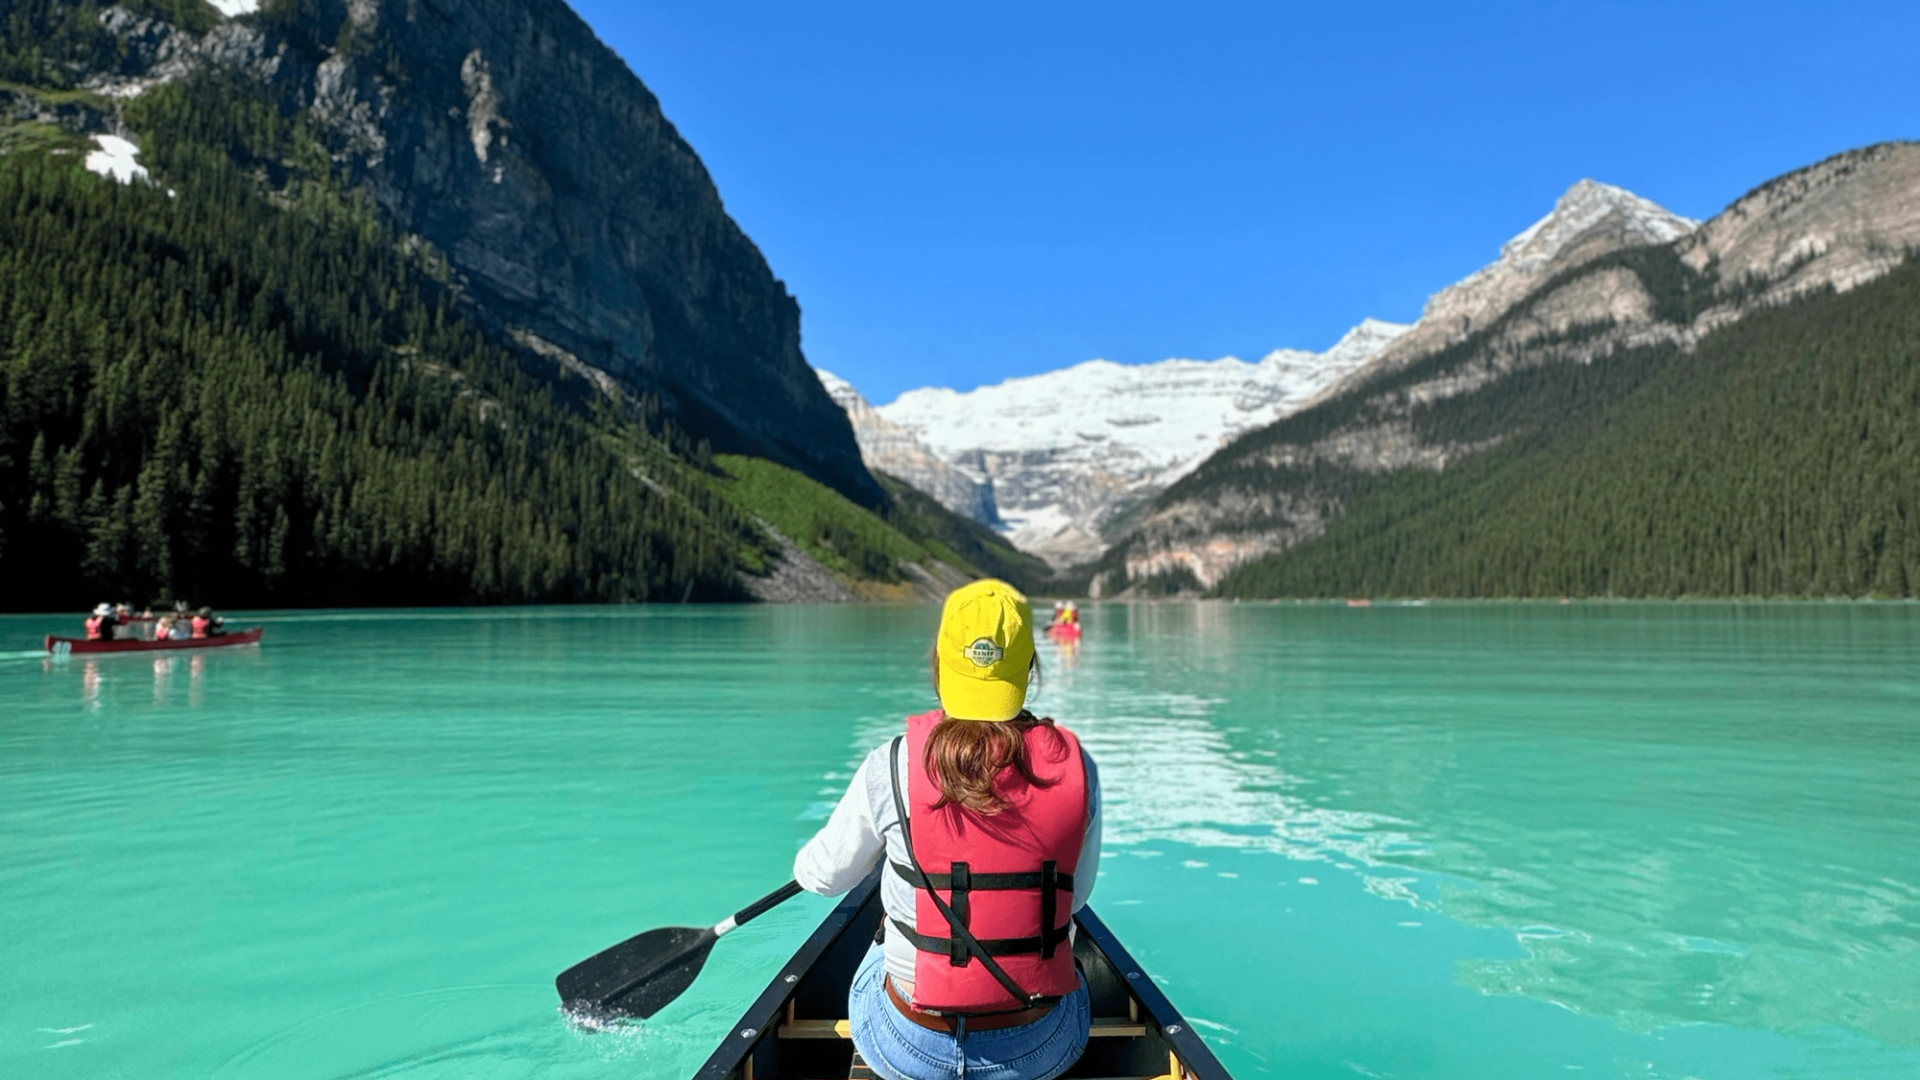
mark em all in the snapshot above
pixel 999 846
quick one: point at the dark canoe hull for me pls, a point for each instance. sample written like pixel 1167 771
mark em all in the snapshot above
pixel 60 646
pixel 797 1028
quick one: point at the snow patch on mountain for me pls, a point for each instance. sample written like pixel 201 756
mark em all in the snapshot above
pixel 116 157
pixel 1068 452
pixel 230 8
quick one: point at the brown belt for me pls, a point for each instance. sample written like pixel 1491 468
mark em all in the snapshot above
pixel 980 1022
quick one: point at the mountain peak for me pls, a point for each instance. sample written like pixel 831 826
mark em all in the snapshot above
pixel 1366 340
pixel 840 390
pixel 1586 204
pixel 1589 219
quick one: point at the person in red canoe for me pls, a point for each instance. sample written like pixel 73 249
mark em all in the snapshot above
pixel 202 622
pixel 985 821
pixel 101 624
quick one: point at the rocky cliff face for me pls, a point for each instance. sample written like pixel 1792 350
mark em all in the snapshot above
pixel 584 227
pixel 1605 271
pixel 893 449
pixel 1591 219
pixel 1838 224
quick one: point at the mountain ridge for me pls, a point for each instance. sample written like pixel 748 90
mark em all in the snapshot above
pixel 1067 493
pixel 583 230
pixel 1831 226
pixel 229 371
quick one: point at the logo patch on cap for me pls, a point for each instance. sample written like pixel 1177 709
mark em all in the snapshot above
pixel 984 653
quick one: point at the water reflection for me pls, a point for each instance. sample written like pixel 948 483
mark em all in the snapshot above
pixel 162 671
pixel 1700 817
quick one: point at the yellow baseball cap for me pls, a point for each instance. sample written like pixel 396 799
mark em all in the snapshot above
pixel 984 651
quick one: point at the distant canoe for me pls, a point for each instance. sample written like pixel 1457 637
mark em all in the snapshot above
pixel 60 646
pixel 797 1029
pixel 1064 631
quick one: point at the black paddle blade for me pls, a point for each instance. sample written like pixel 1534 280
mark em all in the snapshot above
pixel 639 976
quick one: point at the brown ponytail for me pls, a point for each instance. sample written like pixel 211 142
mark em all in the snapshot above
pixel 965 757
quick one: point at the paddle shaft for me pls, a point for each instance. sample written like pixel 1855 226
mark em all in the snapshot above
pixel 725 926
pixel 758 908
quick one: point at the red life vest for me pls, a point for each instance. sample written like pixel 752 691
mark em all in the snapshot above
pixel 200 626
pixel 1007 876
pixel 96 628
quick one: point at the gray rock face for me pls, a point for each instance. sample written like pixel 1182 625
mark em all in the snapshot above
pixel 507 135
pixel 78 118
pixel 1838 224
pixel 892 449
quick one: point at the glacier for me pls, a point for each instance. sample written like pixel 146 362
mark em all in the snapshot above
pixel 1068 452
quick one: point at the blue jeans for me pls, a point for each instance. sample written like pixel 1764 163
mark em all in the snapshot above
pixel 899 1049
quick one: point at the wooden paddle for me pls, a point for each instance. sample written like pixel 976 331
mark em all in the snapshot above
pixel 642 974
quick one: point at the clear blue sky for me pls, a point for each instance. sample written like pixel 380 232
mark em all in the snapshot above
pixel 959 193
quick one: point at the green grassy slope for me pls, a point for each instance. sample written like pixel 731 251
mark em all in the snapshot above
pixel 960 540
pixel 864 548
pixel 1780 458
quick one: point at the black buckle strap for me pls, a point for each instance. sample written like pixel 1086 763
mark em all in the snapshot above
pixel 962 884
pixel 1019 946
pixel 991 882
pixel 1049 894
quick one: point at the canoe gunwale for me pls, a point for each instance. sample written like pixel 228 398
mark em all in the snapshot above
pixel 762 1019
pixel 767 1009
pixel 1174 1027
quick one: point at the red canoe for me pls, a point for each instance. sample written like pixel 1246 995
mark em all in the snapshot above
pixel 1064 631
pixel 61 646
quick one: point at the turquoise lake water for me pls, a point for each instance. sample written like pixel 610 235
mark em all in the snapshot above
pixel 1457 841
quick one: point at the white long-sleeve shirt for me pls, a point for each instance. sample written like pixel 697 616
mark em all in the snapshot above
pixel 864 827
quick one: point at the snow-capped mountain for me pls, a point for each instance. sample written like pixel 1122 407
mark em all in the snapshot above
pixel 1069 451
pixel 1554 302
pixel 892 449
pixel 1067 454
pixel 1263 506
pixel 1585 204
pixel 1590 219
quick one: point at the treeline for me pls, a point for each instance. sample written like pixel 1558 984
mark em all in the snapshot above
pixel 1776 459
pixel 251 394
